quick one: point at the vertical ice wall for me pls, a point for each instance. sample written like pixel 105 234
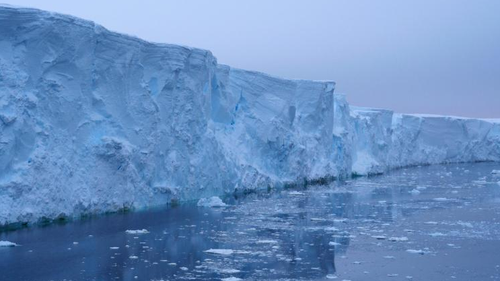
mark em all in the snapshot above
pixel 427 139
pixel 94 121
pixel 382 140
pixel 276 130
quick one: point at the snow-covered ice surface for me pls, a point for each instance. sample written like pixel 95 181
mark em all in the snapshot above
pixel 93 121
pixel 363 229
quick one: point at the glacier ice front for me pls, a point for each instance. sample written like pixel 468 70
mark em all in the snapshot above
pixel 93 121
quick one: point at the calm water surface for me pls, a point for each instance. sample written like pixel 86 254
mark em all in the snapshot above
pixel 423 223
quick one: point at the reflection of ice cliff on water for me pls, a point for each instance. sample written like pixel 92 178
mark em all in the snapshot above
pixel 363 229
pixel 93 121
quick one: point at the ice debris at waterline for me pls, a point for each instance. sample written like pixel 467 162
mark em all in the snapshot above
pixel 7 244
pixel 93 121
pixel 213 202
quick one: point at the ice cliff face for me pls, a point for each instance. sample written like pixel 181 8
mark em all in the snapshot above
pixel 275 130
pixel 94 121
pixel 378 140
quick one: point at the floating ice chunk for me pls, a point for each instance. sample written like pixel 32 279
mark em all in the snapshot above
pixel 225 252
pixel 331 228
pixel 480 182
pixel 398 239
pixel 230 271
pixel 437 234
pixel 266 242
pixel 8 244
pixel 415 191
pixel 243 252
pixel 295 193
pixel 331 276
pixel 211 202
pixel 183 268
pixel 138 231
pixel 231 279
pixel 495 172
pixel 133 257
pixel 334 244
pixel 114 248
pixel 420 252
pixel 441 199
pixel 466 224
pixel 379 237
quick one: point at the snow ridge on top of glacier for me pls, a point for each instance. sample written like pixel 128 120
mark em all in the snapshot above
pixel 6 9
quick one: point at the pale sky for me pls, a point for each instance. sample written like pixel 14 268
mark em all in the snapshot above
pixel 426 56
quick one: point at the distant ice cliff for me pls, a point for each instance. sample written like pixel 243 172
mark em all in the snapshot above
pixel 93 121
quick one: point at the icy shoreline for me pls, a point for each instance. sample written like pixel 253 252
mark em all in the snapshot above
pixel 93 121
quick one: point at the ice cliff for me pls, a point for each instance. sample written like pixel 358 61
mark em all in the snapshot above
pixel 93 121
pixel 378 140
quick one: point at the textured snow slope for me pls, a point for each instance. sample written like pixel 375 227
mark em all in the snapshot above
pixel 94 121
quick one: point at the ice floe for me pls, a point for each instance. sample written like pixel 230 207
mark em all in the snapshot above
pixel 420 252
pixel 415 191
pixel 266 241
pixel 213 202
pixel 231 279
pixel 138 231
pixel 225 252
pixel 8 244
pixel 398 239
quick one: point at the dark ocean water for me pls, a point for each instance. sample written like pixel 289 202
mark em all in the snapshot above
pixel 423 223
